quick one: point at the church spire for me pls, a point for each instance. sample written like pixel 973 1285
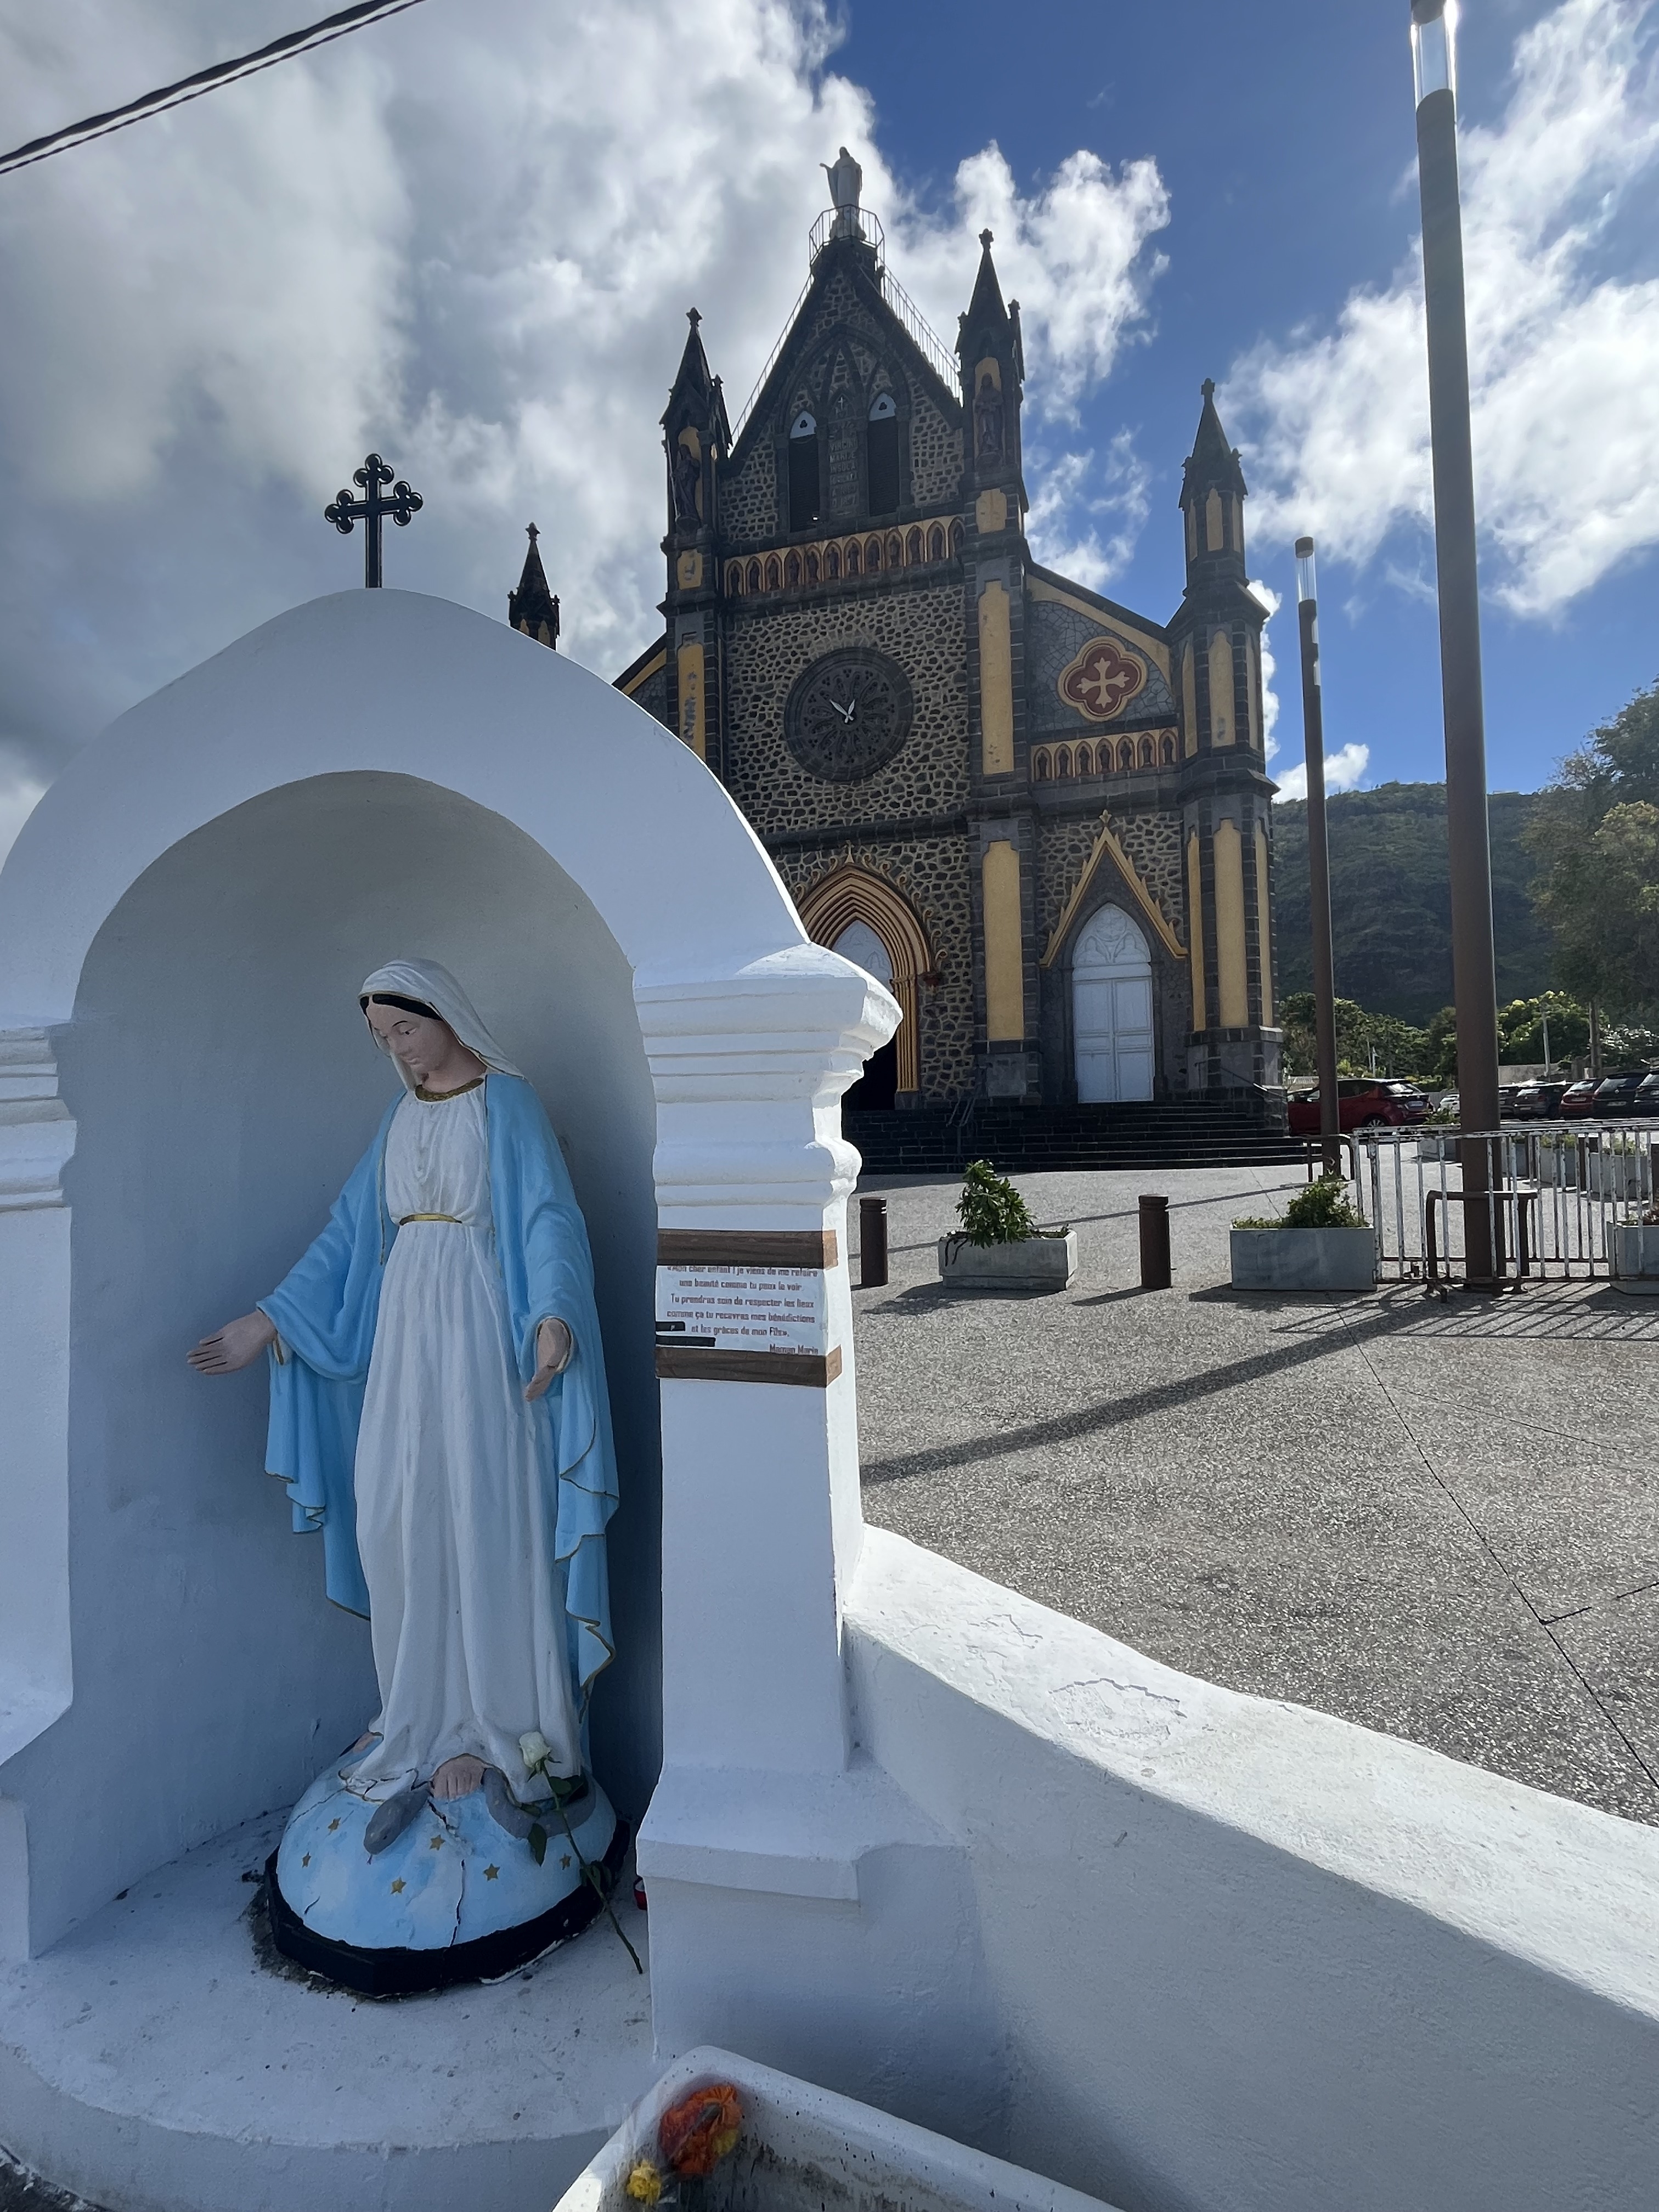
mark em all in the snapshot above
pixel 1213 493
pixel 695 432
pixel 992 377
pixel 986 312
pixel 532 608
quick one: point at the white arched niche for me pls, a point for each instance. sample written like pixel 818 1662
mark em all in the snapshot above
pixel 184 925
pixel 1112 1009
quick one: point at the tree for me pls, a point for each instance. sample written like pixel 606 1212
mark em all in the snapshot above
pixel 1399 1048
pixel 1595 835
pixel 1521 1030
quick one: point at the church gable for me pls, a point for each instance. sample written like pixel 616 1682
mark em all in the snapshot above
pixel 884 432
pixel 1086 673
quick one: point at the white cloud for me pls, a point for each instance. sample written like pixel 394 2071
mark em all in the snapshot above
pixel 466 237
pixel 1564 351
pixel 1344 771
pixel 1076 256
pixel 1068 512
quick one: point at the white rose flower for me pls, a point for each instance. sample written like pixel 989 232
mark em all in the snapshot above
pixel 534 1749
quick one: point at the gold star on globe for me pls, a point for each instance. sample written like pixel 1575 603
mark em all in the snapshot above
pixel 332 1826
pixel 436 1844
pixel 398 1887
pixel 492 1874
pixel 565 1860
pixel 306 1861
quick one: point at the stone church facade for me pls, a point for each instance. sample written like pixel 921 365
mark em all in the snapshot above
pixel 1042 817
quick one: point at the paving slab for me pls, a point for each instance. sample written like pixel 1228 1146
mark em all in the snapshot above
pixel 1375 1504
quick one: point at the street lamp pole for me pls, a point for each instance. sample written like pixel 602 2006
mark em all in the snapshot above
pixel 1319 860
pixel 1475 987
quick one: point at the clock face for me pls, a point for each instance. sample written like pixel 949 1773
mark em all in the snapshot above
pixel 847 714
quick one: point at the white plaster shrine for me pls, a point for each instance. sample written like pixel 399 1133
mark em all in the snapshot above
pixel 906 1835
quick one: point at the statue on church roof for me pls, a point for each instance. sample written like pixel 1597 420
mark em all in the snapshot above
pixel 438 1411
pixel 846 183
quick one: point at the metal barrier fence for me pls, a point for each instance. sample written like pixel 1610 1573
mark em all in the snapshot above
pixel 1559 1193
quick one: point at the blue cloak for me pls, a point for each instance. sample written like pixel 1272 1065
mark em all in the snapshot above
pixel 325 1310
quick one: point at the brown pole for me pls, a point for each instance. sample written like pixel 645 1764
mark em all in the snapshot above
pixel 1154 1243
pixel 1475 987
pixel 1319 863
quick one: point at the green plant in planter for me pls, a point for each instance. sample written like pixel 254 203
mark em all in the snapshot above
pixel 1322 1205
pixel 991 1210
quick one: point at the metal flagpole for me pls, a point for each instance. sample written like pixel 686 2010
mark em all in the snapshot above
pixel 1318 863
pixel 1474 989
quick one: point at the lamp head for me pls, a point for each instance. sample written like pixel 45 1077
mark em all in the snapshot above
pixel 1434 47
pixel 1307 587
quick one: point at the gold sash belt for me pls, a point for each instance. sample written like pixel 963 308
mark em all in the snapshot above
pixel 404 1219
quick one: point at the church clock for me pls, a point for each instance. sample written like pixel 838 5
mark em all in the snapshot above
pixel 847 714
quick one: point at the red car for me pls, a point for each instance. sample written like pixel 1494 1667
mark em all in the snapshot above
pixel 1578 1097
pixel 1362 1102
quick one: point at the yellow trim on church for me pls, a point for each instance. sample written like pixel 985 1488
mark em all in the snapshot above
pixel 1038 589
pixel 654 666
pixel 1107 847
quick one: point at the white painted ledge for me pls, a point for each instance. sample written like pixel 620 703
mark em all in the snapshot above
pixel 783 1835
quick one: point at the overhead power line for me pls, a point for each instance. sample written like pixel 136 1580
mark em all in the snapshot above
pixel 192 88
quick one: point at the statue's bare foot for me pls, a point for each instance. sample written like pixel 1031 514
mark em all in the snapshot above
pixel 458 1778
pixel 363 1743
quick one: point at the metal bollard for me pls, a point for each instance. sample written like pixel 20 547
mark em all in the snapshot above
pixel 872 1243
pixel 1154 1243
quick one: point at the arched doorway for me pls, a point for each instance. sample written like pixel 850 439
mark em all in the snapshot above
pixel 864 918
pixel 878 1086
pixel 1112 1009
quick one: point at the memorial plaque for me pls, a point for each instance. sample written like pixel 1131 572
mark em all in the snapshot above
pixel 753 1310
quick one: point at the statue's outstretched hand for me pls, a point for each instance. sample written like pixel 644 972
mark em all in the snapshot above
pixel 238 1344
pixel 554 1345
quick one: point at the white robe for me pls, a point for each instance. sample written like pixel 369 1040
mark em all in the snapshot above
pixel 455 1489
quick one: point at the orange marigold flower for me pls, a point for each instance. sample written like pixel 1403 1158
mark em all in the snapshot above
pixel 699 2132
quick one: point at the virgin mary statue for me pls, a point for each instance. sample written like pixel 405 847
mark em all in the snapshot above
pixel 438 1411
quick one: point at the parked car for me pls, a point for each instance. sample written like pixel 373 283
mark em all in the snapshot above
pixel 1578 1098
pixel 1539 1101
pixel 1647 1098
pixel 1362 1102
pixel 1616 1094
pixel 1507 1095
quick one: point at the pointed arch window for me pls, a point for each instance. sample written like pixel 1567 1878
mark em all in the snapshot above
pixel 886 490
pixel 804 493
pixel 792 570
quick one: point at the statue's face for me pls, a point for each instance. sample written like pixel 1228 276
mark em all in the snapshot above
pixel 417 1042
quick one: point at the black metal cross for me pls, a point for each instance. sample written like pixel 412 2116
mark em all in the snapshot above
pixel 371 510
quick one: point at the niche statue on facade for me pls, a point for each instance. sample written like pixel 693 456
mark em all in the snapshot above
pixel 438 1411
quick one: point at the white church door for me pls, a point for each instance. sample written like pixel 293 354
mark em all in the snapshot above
pixel 1112 1009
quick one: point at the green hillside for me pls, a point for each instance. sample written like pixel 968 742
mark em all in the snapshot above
pixel 1391 902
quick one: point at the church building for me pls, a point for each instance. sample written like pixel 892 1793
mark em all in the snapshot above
pixel 1042 818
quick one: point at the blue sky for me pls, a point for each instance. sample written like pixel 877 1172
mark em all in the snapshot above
pixel 1284 137
pixel 468 236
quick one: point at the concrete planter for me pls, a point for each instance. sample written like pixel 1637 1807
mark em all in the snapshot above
pixel 1615 1173
pixel 802 2148
pixel 1636 1258
pixel 1303 1259
pixel 1047 1262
